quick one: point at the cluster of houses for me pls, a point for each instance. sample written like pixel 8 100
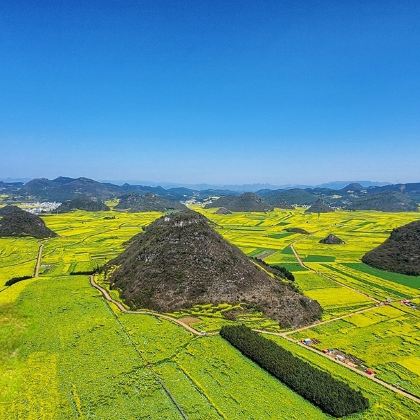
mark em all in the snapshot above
pixel 44 207
pixel 408 303
pixel 338 355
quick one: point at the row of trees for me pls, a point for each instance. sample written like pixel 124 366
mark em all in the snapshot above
pixel 14 280
pixel 330 394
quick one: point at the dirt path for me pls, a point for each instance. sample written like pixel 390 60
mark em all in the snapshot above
pixel 122 308
pixel 38 261
pixel 327 321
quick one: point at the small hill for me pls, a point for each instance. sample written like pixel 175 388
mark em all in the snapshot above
pixel 180 261
pixel 319 207
pixel 147 202
pixel 297 230
pixel 384 201
pixel 244 202
pixel 400 253
pixel 354 187
pixel 223 210
pixel 82 203
pixel 331 240
pixel 15 222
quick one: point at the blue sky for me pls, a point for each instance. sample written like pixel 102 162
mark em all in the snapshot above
pixel 211 91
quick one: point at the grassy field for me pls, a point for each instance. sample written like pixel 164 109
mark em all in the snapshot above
pixel 64 353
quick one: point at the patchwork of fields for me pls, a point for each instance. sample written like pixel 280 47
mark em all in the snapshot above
pixel 65 353
pixel 385 336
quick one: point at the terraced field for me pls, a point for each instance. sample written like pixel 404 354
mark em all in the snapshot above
pixel 66 353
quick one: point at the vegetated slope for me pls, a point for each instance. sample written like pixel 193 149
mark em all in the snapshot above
pixel 400 252
pixel 82 203
pixel 243 202
pixel 286 198
pixel 180 261
pixel 384 201
pixel 64 188
pixel 319 207
pixel 17 222
pixel 223 210
pixel 353 187
pixel 331 240
pixel 147 202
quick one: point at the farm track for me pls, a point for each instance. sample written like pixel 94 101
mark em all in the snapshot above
pixel 123 309
pixel 332 278
pixel 38 261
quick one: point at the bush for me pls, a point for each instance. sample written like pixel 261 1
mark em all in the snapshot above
pixel 282 272
pixel 328 393
pixel 85 272
pixel 14 280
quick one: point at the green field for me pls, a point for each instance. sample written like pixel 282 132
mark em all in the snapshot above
pixel 65 353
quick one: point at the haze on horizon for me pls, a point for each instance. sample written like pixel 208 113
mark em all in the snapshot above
pixel 211 92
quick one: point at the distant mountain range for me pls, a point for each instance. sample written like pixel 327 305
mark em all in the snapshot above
pixel 353 196
pixel 247 187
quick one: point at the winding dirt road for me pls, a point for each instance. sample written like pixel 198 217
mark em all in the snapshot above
pixel 122 308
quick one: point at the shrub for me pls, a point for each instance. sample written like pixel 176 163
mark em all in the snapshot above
pixel 328 393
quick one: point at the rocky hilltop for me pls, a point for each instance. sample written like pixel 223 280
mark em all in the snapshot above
pixel 180 261
pixel 16 222
pixel 331 239
pixel 400 252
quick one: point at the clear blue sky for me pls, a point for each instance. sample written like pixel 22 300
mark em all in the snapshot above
pixel 211 91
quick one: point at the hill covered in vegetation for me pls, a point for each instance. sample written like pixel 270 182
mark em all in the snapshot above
pixel 286 198
pixel 400 253
pixel 354 196
pixel 319 207
pixel 147 202
pixel 180 261
pixel 16 222
pixel 243 202
pixel 82 203
pixel 384 201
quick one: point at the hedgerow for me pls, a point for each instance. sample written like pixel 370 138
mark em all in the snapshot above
pixel 14 280
pixel 330 394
